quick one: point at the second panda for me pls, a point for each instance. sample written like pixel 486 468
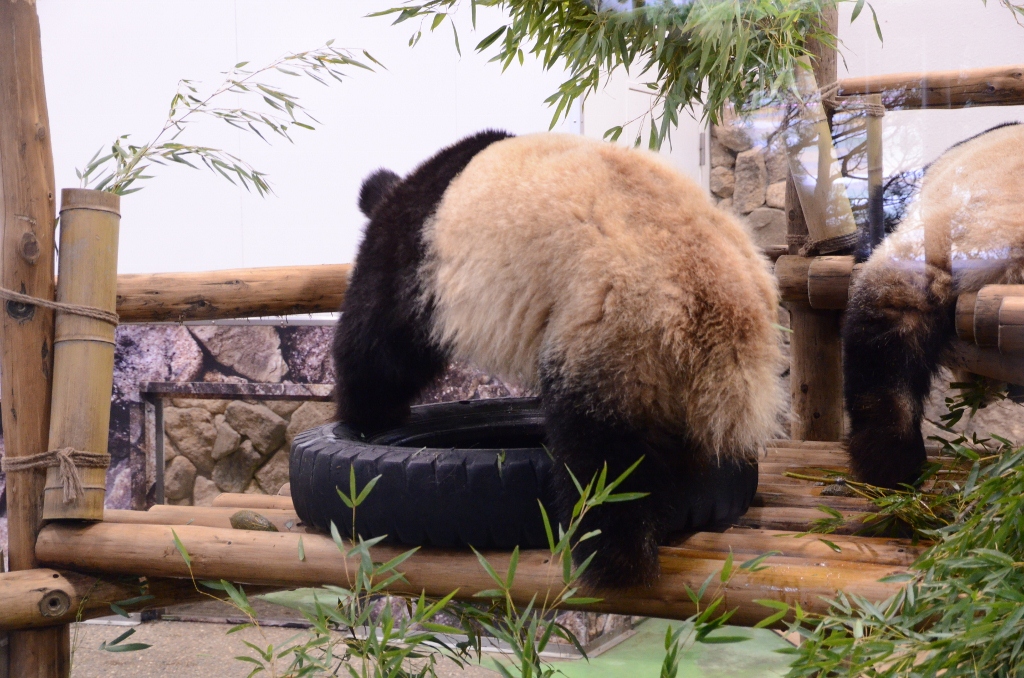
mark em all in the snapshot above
pixel 598 276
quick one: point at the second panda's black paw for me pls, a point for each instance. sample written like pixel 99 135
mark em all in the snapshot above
pixel 884 458
pixel 619 560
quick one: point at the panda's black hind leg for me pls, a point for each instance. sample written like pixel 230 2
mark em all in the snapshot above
pixel 625 553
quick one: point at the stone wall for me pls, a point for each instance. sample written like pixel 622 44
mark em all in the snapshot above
pixel 748 177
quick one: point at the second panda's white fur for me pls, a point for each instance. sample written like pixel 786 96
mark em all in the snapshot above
pixel 611 260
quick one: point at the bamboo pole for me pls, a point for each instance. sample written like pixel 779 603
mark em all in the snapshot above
pixel 26 332
pixel 83 356
pixel 272 558
pixel 43 597
pixel 204 516
pixel 238 293
pixel 254 501
pixel 998 86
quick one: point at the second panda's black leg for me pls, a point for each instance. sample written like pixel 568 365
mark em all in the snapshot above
pixel 895 330
pixel 626 551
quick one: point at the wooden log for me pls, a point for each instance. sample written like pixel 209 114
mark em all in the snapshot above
pixel 83 348
pixel 868 550
pixel 43 597
pixel 1011 326
pixel 238 293
pixel 791 272
pixel 816 375
pixel 828 282
pixel 204 516
pixel 795 519
pixel 777 497
pixel 988 362
pixel 964 317
pixel 27 190
pixel 272 558
pixel 986 312
pixel 786 444
pixel 998 86
pixel 253 501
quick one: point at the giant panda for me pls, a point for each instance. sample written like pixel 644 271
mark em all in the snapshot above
pixel 597 275
pixel 965 229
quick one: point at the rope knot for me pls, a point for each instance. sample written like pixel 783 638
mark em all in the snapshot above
pixel 67 461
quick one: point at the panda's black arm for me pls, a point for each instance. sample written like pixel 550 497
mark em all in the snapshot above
pixel 896 328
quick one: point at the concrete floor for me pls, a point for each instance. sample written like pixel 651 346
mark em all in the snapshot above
pixel 187 649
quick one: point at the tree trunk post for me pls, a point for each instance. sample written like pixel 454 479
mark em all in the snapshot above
pixel 816 368
pixel 27 194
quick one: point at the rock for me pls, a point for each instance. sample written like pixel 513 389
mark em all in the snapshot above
pixel 283 408
pixel 169 451
pixel 285 491
pixel 751 182
pixel 307 351
pixel 465 382
pixel 775 196
pixel 257 423
pixel 726 204
pixel 310 415
pixel 119 487
pixel 187 501
pixel 153 353
pixel 722 182
pixel 254 351
pixel 720 155
pixel 193 435
pixel 733 137
pixel 226 442
pixel 768 226
pixel 215 377
pixel 777 162
pixel 179 478
pixel 233 473
pixel 274 473
pixel 204 492
pixel 211 406
pixel 252 488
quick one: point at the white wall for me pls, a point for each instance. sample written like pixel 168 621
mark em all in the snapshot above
pixel 111 67
pixel 931 35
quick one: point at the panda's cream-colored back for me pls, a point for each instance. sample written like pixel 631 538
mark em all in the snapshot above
pixel 968 219
pixel 612 264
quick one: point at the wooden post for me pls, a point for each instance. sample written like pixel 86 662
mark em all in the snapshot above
pixel 26 332
pixel 83 347
pixel 816 370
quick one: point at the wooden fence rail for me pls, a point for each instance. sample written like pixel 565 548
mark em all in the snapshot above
pixel 999 86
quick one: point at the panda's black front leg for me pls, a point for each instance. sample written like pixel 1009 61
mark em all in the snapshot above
pixel 625 553
pixel 895 330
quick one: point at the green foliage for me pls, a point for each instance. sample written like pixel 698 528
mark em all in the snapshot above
pixel 276 113
pixel 707 53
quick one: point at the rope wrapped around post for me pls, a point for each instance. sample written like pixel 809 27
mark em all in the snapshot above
pixel 86 311
pixel 67 460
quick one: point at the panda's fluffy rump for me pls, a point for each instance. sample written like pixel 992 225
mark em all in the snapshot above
pixel 609 265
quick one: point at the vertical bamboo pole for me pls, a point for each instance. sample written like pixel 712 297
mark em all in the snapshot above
pixel 876 206
pixel 83 347
pixel 816 370
pixel 26 332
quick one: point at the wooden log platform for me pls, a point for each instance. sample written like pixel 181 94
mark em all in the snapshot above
pixel 805 568
pixel 998 86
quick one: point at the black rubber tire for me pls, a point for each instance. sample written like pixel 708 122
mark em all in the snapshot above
pixel 465 473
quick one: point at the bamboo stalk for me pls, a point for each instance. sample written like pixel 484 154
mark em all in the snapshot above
pixel 43 597
pixel 254 501
pixel 238 293
pixel 26 332
pixel 998 86
pixel 272 558
pixel 83 347
pixel 204 516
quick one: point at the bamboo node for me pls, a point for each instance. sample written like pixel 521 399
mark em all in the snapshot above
pixel 67 459
pixel 74 309
pixel 830 97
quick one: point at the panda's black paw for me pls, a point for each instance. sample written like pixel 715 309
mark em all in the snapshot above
pixel 617 564
pixel 884 457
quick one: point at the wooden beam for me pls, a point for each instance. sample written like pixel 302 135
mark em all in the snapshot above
pixel 43 597
pixel 271 558
pixel 27 215
pixel 238 293
pixel 999 86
